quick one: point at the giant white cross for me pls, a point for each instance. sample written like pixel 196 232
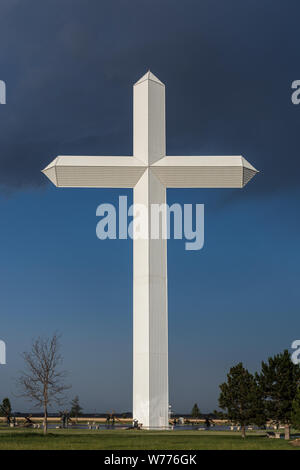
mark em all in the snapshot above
pixel 149 172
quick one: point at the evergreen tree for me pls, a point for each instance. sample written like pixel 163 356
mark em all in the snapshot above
pixel 296 410
pixel 279 381
pixel 75 408
pixel 195 411
pixel 5 409
pixel 240 397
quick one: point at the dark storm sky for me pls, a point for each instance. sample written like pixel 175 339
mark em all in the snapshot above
pixel 69 67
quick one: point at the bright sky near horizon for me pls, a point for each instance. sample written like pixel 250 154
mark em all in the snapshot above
pixel 69 67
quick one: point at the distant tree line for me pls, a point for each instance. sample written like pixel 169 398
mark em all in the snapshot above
pixel 271 396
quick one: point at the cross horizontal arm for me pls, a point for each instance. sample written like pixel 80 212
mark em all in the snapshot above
pixel 204 172
pixel 94 172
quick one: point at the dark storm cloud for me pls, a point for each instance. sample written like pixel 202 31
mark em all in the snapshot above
pixel 69 66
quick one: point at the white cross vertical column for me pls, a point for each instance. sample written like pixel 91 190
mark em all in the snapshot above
pixel 150 314
pixel 150 311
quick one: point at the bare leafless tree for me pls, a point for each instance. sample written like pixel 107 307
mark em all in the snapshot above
pixel 42 381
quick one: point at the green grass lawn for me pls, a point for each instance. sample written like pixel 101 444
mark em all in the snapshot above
pixel 19 439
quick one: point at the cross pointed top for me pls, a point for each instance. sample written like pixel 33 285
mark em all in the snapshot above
pixel 149 76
